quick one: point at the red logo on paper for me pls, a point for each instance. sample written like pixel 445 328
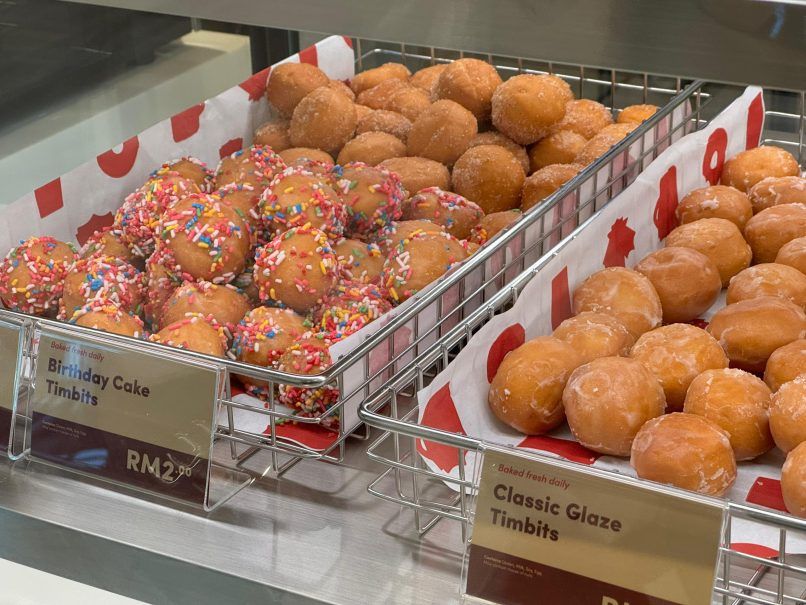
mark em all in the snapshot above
pixel 255 85
pixel 186 123
pixel 700 323
pixel 665 217
pixel 440 413
pixel 96 223
pixel 766 492
pixel 509 340
pixel 756 550
pixel 755 121
pixel 49 198
pixel 230 147
pixel 620 242
pixel 309 55
pixel 118 164
pixel 560 299
pixel 570 450
pixel 714 157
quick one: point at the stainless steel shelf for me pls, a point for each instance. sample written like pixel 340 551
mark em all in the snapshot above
pixel 317 536
pixel 742 41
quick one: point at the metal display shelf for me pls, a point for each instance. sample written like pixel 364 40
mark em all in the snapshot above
pixel 315 537
pixel 748 41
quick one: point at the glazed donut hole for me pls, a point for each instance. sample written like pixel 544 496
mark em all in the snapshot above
pixel 300 156
pixel 188 168
pixel 670 270
pixel 108 242
pixel 788 414
pixel 372 197
pixel 372 77
pixel 738 403
pixel 561 147
pixel 526 106
pixel 225 304
pixel 676 354
pixel 491 224
pixel 442 132
pixel 371 148
pixel 471 83
pixel 398 231
pixel 426 78
pixel 747 168
pixel 751 330
pixel 289 83
pixel 398 96
pixel 773 191
pixel 243 199
pixel 718 239
pixel 636 114
pixel 255 165
pixel 274 134
pixel 360 261
pixel 584 117
pixel 608 400
pixel 768 279
pixel 490 176
pixel 526 392
pixel 793 481
pixel 380 120
pixel 108 317
pixel 793 253
pixel 107 278
pixel 418 173
pixel 492 137
pixel 769 230
pixel 717 201
pixel 626 294
pixel 193 333
pixel 325 119
pixel 686 451
pixel 595 335
pixel 455 213
pixel 786 363
pixel 542 183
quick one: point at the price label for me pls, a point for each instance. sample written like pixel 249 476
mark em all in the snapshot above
pixel 545 532
pixel 10 349
pixel 142 420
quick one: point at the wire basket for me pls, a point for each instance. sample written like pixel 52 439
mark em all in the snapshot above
pixel 409 482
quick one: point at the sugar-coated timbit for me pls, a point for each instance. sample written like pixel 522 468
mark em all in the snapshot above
pixel 298 268
pixel 671 270
pixel 768 279
pixel 207 239
pixel 471 83
pixel 793 481
pixel 750 330
pixel 442 132
pixel 107 316
pixel 451 210
pixel 636 113
pixel 777 190
pixel 526 106
pixel 194 332
pixel 255 165
pixel 325 119
pixel 397 96
pixel 686 451
pixel 793 254
pixel 289 83
pixel 716 201
pixel 348 308
pixel 381 120
pixel 309 356
pixel 224 304
pixel 623 293
pixel 603 141
pixel 718 239
pixel 786 363
pixel 105 278
pixel 493 137
pixel 372 77
pixel 770 229
pixel 608 400
pixel 491 224
pixel 526 392
pixel 372 148
pixel 188 167
pixel 32 275
pixel 737 402
pixel 274 134
pixel 418 260
pixel 560 147
pixel 595 335
pixel 418 173
pixel 584 117
pixel 546 181
pixel 426 78
pixel 788 414
pixel 676 354
pixel 747 168
pixel 297 198
pixel 490 176
pixel 372 196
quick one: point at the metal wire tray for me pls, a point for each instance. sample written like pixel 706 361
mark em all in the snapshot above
pixel 408 482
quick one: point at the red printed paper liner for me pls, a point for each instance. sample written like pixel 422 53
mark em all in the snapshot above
pixel 625 230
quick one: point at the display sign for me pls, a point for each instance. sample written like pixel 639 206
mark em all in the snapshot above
pixel 10 347
pixel 547 533
pixel 141 420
